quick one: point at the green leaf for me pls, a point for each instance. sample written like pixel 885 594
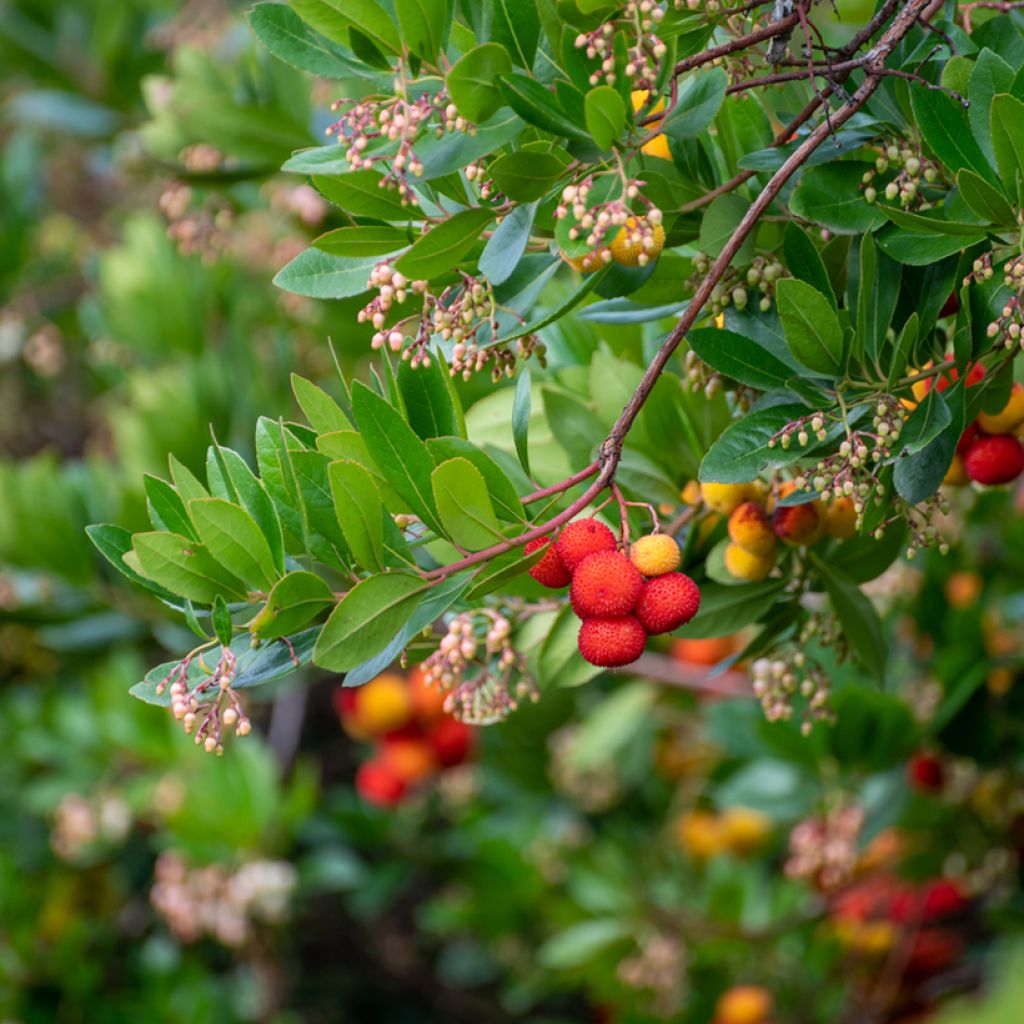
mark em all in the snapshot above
pixel 221 619
pixel 370 18
pixel 943 123
pixel 453 150
pixel 537 106
pixel 362 194
pixel 113 543
pixel 581 943
pixel 903 349
pixel 506 246
pixel 929 223
pixel 232 537
pixel 254 666
pixel 437 251
pixel 700 99
pixel 359 509
pixel 990 75
pixel 423 24
pixel 742 451
pixel 926 422
pixel 521 406
pixel 289 39
pixel 499 487
pixel 185 480
pixel 1007 119
pixel 830 195
pixel 743 359
pixel 166 508
pixel 427 399
pixel 719 224
pixel 805 261
pixel 515 24
pixel 320 276
pixel 920 250
pixel 526 175
pixel 876 299
pixel 367 619
pixel 322 411
pixel 182 566
pixel 857 616
pixel 605 115
pixel 984 199
pixel 726 609
pixel 919 475
pixel 293 601
pixel 363 240
pixel 472 81
pixel 812 327
pixel 399 454
pixel 464 505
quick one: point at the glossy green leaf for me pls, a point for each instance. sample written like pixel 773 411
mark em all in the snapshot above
pixel 700 98
pixel 442 247
pixel 515 25
pixel 360 511
pixel 830 195
pixel 319 275
pixel 429 404
pixel 363 240
pixel 526 175
pixel 943 123
pixel 424 24
pixel 726 609
pixel 166 508
pixel 1007 121
pixel 521 407
pixel 290 39
pixel 232 537
pixel 805 261
pixel 857 616
pixel 506 246
pixel 361 193
pixel 985 200
pixel 472 81
pixel 605 114
pixel 323 413
pixel 536 105
pixel 499 487
pixel 741 358
pixel 812 327
pixel 182 566
pixel 293 601
pixel 464 505
pixel 742 450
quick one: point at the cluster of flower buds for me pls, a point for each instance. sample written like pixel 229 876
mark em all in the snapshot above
pixel 81 824
pixel 659 967
pixel 645 51
pixel 392 288
pixel 736 285
pixel 200 228
pixel 912 168
pixel 611 223
pixel 479 668
pixel 778 680
pixel 217 901
pixel 211 705
pixel 372 127
pixel 824 850
pixel 1008 327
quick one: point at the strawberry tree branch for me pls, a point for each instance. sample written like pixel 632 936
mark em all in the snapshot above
pixel 611 449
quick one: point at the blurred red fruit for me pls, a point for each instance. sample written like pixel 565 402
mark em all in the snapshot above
pixel 995 460
pixel 926 773
pixel 378 784
pixel 452 742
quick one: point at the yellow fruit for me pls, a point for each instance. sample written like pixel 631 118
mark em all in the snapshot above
pixel 956 475
pixel 720 321
pixel 745 565
pixel 798 525
pixel 699 834
pixel 841 518
pixel 656 554
pixel 724 498
pixel 637 242
pixel 412 760
pixel 744 830
pixel 587 263
pixel 658 145
pixel 1009 418
pixel 744 1004
pixel 383 705
pixel 690 494
pixel 750 527
pixel 963 589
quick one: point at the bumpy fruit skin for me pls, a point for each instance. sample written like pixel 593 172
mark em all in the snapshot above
pixel 667 602
pixel 750 527
pixel 656 554
pixel 799 525
pixel 605 585
pixel 744 1004
pixel 610 643
pixel 452 742
pixel 925 773
pixel 658 146
pixel 995 460
pixel 582 538
pixel 1008 418
pixel 841 518
pixel 725 498
pixel 628 248
pixel 549 571
pixel 383 705
pixel 378 784
pixel 745 565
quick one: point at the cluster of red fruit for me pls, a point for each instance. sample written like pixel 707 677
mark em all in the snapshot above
pixel 621 599
pixel 414 737
pixel 990 451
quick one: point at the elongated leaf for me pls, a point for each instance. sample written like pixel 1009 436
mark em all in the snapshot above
pixel 857 616
pixel 232 537
pixel 428 402
pixel 293 601
pixel 370 18
pixel 943 123
pixel 319 275
pixel 166 509
pixel 985 200
pixel 1007 121
pixel 537 106
pixel 424 24
pixel 464 506
pixel 359 509
pixel 515 24
pixel 521 407
pixel 499 487
pixel 525 176
pixel 114 542
pixel 812 327
pixel 605 115
pixel 289 39
pixel 738 357
pixel 182 566
pixel 363 240
pixel 829 195
pixel 805 261
pixel 249 492
pixel 700 99
pixel 362 194
pixel 506 246
pixel 472 81
pixel 322 411
pixel 441 248
pixel 367 619
pixel 399 454
pixel 726 609
pixel 742 450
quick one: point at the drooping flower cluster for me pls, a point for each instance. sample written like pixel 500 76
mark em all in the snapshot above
pixel 636 23
pixel 223 903
pixel 479 668
pixel 610 228
pixel 82 823
pixel 736 284
pixel 912 169
pixel 659 967
pixel 383 130
pixel 789 673
pixel 823 850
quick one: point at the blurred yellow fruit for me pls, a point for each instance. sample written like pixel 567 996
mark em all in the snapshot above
pixel 1009 418
pixel 690 494
pixel 841 518
pixel 956 475
pixel 724 498
pixel 745 565
pixel 699 834
pixel 750 528
pixel 658 145
pixel 744 830
pixel 963 589
pixel 744 1004
pixel 999 681
pixel 383 705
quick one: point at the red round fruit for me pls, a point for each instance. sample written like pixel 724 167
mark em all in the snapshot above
pixel 667 602
pixel 605 585
pixel 967 438
pixel 926 773
pixel 610 643
pixel 452 742
pixel 378 783
pixel 582 538
pixel 549 571
pixel 995 460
